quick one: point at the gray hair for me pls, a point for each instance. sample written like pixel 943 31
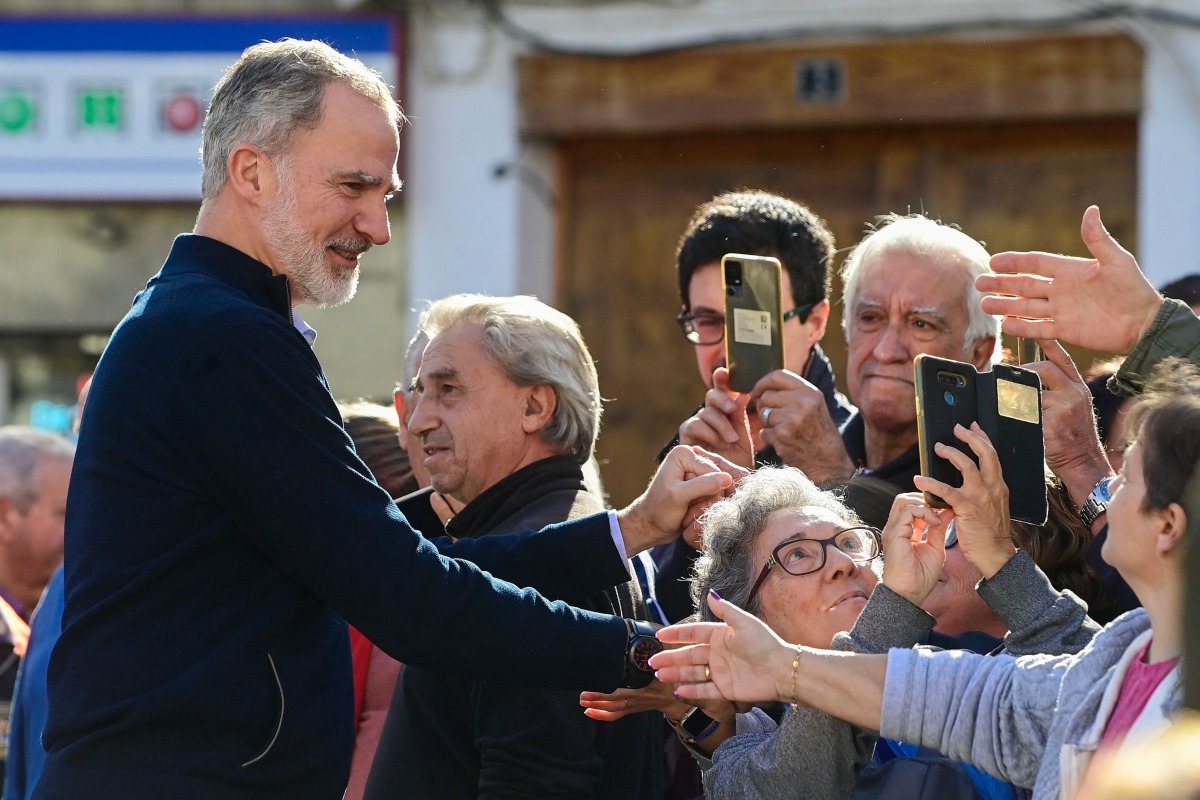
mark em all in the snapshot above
pixel 22 451
pixel 274 90
pixel 533 344
pixel 921 237
pixel 731 526
pixel 412 360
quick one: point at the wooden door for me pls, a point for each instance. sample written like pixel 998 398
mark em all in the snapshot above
pixel 1013 185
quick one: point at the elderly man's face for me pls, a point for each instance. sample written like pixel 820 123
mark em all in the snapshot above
pixel 330 191
pixel 810 609
pixel 906 306
pixel 468 415
pixel 36 546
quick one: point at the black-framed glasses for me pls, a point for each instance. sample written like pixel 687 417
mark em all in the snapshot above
pixel 709 328
pixel 802 555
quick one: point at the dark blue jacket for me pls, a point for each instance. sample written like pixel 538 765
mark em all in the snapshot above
pixel 220 529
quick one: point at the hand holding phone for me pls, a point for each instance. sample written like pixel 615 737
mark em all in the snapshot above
pixel 753 318
pixel 1006 403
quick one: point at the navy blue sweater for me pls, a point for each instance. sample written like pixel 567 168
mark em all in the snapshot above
pixel 219 530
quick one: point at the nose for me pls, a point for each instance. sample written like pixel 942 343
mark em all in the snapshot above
pixel 838 564
pixel 373 221
pixel 422 420
pixel 891 346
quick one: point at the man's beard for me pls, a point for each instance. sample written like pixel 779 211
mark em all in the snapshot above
pixel 301 258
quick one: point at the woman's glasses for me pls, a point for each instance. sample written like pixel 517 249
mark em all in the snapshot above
pixel 802 556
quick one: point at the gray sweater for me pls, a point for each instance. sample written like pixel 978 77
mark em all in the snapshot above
pixel 814 755
pixel 1033 721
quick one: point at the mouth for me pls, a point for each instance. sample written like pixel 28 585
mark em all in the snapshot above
pixel 348 251
pixel 897 378
pixel 849 596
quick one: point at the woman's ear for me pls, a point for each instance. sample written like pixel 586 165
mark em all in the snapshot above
pixel 540 403
pixel 1172 530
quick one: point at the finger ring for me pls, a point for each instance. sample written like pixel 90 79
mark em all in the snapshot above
pixel 764 415
pixel 626 703
pixel 707 673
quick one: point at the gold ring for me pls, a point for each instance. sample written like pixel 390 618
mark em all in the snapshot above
pixel 707 673
pixel 626 703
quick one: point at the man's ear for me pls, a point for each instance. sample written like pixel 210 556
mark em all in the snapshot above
pixel 248 168
pixel 1172 529
pixel 981 352
pixel 540 403
pixel 400 400
pixel 10 518
pixel 818 319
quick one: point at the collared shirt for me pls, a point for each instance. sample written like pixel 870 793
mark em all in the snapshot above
pixel 309 333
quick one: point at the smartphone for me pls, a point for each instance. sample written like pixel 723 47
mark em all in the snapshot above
pixel 1007 404
pixel 753 318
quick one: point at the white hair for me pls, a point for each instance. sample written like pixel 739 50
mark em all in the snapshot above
pixel 533 344
pixel 918 236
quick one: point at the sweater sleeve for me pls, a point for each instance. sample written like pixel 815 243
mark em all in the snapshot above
pixel 564 561
pixel 991 711
pixel 257 420
pixel 810 756
pixel 1175 331
pixel 1040 619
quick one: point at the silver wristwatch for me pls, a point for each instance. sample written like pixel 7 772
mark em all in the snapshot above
pixel 1096 504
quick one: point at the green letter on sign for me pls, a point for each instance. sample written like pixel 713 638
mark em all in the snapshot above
pixel 101 108
pixel 17 110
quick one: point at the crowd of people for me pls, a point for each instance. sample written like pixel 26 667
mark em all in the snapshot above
pixel 270 594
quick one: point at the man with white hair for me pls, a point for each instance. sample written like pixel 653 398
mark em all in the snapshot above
pixel 506 405
pixel 909 288
pixel 35 469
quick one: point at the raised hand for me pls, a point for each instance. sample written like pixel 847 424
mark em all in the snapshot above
pixel 1073 449
pixel 687 482
pixel 734 660
pixel 1103 303
pixel 795 421
pixel 721 426
pixel 980 505
pixel 914 547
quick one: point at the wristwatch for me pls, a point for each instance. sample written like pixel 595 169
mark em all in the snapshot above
pixel 640 646
pixel 697 725
pixel 1096 503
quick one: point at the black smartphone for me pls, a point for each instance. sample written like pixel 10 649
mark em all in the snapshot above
pixel 753 318
pixel 1007 404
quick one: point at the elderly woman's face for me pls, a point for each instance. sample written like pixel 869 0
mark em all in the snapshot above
pixel 810 609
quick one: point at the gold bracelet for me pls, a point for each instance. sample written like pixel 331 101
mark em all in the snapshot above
pixel 795 673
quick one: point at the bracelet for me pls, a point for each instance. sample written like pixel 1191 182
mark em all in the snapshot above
pixel 795 673
pixel 707 732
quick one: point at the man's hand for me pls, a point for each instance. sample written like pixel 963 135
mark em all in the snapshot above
pixel 796 422
pixel 687 482
pixel 721 427
pixel 1103 303
pixel 1073 449
pixel 914 547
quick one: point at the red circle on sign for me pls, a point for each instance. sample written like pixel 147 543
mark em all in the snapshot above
pixel 182 113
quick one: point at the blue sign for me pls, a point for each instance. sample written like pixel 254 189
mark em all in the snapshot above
pixel 112 108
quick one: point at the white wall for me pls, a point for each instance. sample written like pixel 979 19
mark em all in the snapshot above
pixel 470 231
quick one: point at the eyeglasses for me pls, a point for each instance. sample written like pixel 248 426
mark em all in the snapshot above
pixel 802 556
pixel 710 328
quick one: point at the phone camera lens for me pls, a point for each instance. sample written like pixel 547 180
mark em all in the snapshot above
pixel 950 398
